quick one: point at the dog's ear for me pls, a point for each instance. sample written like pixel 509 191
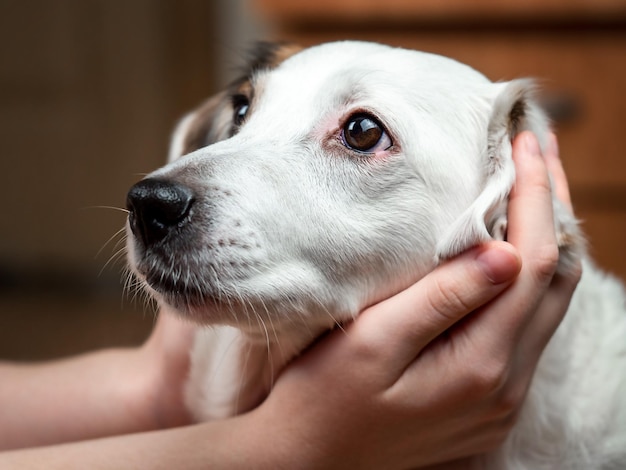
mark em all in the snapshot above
pixel 213 120
pixel 514 110
pixel 209 123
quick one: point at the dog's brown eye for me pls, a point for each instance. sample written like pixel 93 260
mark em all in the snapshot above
pixel 364 133
pixel 241 105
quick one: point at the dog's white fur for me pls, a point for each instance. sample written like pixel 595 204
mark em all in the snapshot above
pixel 303 233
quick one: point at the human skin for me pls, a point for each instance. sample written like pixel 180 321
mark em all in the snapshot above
pixel 434 374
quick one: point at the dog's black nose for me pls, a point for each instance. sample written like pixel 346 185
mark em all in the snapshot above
pixel 156 207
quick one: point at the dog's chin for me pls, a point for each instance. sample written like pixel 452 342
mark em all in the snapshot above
pixel 266 320
pixel 205 311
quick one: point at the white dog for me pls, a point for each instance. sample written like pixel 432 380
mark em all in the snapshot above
pixel 331 178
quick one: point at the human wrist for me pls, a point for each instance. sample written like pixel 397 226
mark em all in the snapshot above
pixel 131 381
pixel 158 395
pixel 280 436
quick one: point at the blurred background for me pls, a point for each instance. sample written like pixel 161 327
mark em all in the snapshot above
pixel 90 90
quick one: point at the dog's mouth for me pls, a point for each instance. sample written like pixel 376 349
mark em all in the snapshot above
pixel 185 298
pixel 174 291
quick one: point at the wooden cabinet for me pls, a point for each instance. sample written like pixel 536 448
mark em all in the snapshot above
pixel 90 92
pixel 577 50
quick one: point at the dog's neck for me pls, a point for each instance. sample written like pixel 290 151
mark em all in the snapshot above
pixel 233 372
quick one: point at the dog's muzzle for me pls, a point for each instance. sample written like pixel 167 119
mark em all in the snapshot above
pixel 156 208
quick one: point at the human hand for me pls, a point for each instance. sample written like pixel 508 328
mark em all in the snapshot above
pixel 415 380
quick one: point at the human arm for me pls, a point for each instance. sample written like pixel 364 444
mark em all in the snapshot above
pixel 102 393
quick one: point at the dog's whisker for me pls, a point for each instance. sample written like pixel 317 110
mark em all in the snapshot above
pixel 129 278
pixel 122 240
pixel 115 257
pixel 269 349
pixel 138 292
pixel 135 290
pixel 277 342
pixel 121 231
pixel 220 293
pixel 326 311
pixel 268 315
pixel 113 208
pixel 242 377
pixel 244 305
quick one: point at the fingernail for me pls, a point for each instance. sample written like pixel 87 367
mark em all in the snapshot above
pixel 531 144
pixel 499 264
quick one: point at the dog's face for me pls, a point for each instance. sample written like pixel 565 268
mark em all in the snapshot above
pixel 322 182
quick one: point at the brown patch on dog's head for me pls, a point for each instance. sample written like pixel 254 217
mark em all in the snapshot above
pixel 213 120
pixel 267 56
pixel 210 123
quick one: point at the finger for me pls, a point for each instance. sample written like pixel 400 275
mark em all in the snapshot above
pixel 548 316
pixel 414 317
pixel 531 230
pixel 554 306
pixel 530 214
pixel 555 168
